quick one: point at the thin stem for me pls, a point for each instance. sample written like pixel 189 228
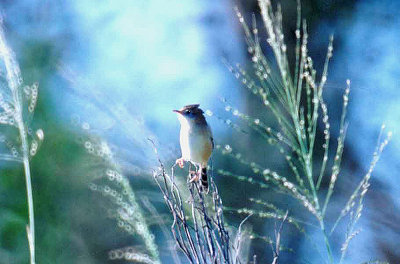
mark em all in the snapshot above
pixel 7 157
pixel 25 158
pixel 327 244
pixel 14 81
pixel 31 227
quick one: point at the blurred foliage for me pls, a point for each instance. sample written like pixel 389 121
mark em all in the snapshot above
pixel 72 225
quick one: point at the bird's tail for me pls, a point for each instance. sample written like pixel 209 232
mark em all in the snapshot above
pixel 204 179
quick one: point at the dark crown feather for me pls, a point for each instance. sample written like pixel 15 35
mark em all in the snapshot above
pixel 193 107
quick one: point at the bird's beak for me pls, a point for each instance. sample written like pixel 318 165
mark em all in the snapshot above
pixel 177 111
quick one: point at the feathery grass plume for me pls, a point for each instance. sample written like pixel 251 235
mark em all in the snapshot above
pixel 294 97
pixel 131 215
pixel 128 213
pixel 200 230
pixel 162 222
pixel 354 206
pixel 130 254
pixel 20 143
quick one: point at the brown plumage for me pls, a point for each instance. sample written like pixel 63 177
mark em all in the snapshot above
pixel 196 141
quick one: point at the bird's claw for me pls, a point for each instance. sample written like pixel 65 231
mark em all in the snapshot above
pixel 194 176
pixel 180 162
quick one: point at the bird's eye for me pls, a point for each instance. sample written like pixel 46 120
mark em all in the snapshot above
pixel 188 112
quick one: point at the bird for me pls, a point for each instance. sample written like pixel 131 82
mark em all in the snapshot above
pixel 196 141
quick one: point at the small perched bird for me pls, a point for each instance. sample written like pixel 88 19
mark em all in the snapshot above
pixel 196 141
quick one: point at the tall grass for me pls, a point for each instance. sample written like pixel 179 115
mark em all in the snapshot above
pixel 294 98
pixel 17 104
pixel 109 180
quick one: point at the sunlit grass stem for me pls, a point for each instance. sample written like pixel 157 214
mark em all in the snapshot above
pixel 14 81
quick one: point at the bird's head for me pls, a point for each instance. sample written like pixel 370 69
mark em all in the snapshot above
pixel 190 113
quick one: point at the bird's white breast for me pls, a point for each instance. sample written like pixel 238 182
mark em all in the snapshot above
pixel 195 141
pixel 184 140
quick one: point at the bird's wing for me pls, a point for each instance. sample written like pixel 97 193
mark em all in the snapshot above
pixel 212 142
pixel 211 136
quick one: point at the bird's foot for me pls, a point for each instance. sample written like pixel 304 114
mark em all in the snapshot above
pixel 180 162
pixel 194 176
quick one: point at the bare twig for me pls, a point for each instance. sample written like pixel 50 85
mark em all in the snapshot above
pixel 278 232
pixel 199 231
